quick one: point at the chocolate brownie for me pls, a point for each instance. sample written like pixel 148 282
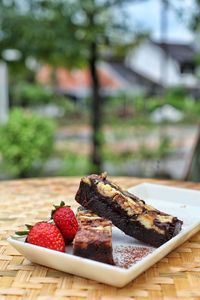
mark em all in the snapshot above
pixel 126 211
pixel 94 237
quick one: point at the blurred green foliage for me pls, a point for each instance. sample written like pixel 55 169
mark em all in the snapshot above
pixel 73 113
pixel 74 164
pixel 159 151
pixel 26 142
pixel 24 93
pixel 137 109
pixel 177 97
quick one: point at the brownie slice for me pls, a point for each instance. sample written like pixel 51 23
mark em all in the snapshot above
pixel 126 211
pixel 94 237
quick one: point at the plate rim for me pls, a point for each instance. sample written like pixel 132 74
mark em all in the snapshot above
pixel 165 186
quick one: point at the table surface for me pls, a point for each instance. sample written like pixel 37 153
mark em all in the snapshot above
pixel 177 276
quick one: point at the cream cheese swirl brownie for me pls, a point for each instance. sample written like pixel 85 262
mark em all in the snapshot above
pixel 94 237
pixel 126 211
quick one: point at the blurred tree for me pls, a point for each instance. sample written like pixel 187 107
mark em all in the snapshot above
pixel 193 172
pixel 194 18
pixel 71 33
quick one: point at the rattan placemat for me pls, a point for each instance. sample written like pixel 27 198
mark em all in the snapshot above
pixel 176 276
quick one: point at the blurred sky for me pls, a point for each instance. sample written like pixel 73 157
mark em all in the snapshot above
pixel 147 14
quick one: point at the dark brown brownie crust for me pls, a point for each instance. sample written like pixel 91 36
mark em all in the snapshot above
pixel 94 237
pixel 126 211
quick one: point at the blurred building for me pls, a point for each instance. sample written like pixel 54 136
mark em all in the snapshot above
pixel 168 64
pixel 146 69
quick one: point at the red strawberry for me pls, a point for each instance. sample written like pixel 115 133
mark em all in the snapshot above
pixel 46 235
pixel 65 220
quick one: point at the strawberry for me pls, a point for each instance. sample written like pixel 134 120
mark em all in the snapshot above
pixel 46 235
pixel 66 221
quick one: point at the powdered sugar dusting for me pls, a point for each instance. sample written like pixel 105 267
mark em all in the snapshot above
pixel 126 256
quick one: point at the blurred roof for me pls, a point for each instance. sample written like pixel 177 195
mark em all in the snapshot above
pixel 131 75
pixel 114 76
pixel 78 81
pixel 179 52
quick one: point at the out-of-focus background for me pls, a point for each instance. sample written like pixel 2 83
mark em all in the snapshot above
pixel 100 85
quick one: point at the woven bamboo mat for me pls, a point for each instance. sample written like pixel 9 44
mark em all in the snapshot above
pixel 176 276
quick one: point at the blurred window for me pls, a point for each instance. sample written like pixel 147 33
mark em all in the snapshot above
pixel 187 68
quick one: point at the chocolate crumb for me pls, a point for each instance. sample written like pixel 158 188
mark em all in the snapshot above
pixel 126 256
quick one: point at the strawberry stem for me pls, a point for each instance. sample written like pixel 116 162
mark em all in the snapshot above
pixel 29 226
pixel 62 203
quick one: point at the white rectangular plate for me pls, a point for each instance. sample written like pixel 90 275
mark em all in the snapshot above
pixel 182 203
